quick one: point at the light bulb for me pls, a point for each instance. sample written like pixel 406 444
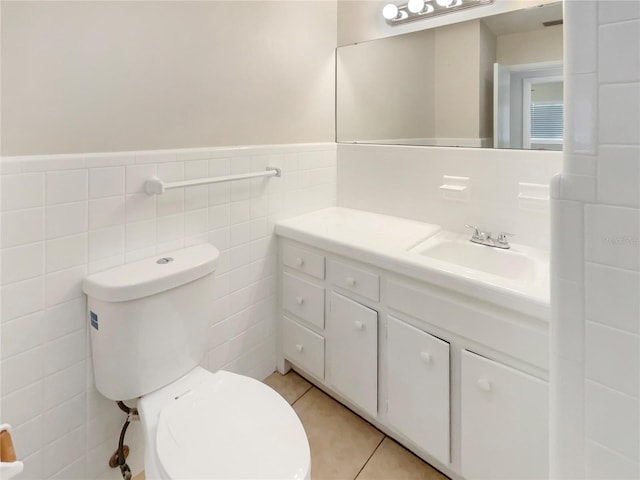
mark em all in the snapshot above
pixel 390 11
pixel 444 3
pixel 415 6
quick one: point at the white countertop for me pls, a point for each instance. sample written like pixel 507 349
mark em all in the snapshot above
pixel 386 241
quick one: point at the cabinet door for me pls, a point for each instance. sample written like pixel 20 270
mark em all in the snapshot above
pixel 418 387
pixel 505 421
pixel 353 352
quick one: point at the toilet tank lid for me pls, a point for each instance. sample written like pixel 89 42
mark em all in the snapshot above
pixel 152 275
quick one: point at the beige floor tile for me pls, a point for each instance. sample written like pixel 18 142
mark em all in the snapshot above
pixel 340 441
pixel 392 461
pixel 291 386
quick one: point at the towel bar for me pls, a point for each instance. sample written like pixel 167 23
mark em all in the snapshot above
pixel 155 186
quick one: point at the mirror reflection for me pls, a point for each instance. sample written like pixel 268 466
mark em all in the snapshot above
pixel 490 82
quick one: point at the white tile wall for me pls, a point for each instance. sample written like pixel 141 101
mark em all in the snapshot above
pixel 580 164
pixel 618 11
pixel 612 235
pixel 66 219
pixel 620 371
pixel 581 60
pixel 612 297
pixel 619 113
pixel 64 216
pixel 22 191
pixel 404 181
pixel 612 419
pixel 567 254
pixel 596 355
pixel 618 175
pixel 565 453
pixel 580 188
pixel 624 66
pixel 106 181
pixel 22 263
pixel 605 464
pixel 581 108
pixel 569 332
pixel 22 226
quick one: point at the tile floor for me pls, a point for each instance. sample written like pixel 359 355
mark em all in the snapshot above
pixel 343 445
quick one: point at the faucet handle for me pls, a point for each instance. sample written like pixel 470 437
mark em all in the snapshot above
pixel 479 234
pixel 502 237
pixel 476 230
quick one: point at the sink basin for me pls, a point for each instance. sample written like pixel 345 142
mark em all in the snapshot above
pixel 519 264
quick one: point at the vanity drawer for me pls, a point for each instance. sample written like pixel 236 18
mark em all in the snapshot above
pixel 303 299
pixel 304 261
pixel 354 279
pixel 303 347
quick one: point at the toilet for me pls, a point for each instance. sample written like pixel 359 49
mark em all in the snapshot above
pixel 149 324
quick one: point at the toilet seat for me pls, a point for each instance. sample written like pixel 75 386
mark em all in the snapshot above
pixel 230 427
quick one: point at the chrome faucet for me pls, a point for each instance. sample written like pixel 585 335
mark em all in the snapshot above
pixel 485 238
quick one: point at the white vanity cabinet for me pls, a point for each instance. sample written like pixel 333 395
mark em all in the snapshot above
pixel 418 387
pixel 458 380
pixel 353 351
pixel 505 421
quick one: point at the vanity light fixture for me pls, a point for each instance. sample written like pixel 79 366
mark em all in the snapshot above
pixel 420 9
pixel 392 13
pixel 419 6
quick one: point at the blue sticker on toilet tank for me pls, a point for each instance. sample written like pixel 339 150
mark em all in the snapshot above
pixel 94 319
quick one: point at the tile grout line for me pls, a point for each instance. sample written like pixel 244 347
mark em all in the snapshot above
pixel 305 392
pixel 370 456
pixel 311 386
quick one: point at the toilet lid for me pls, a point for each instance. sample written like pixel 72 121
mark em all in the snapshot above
pixel 231 427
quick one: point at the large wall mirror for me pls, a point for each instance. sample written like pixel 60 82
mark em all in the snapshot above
pixel 491 82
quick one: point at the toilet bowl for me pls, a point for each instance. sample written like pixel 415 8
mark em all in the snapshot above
pixel 149 324
pixel 222 426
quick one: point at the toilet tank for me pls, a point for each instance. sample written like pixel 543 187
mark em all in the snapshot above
pixel 149 320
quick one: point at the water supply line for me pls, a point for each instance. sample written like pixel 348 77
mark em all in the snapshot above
pixel 119 458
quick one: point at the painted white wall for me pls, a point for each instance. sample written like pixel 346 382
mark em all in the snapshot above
pixel 487 46
pixel 104 77
pixel 66 216
pixel 457 99
pixel 115 76
pixel 404 181
pixel 542 45
pixel 595 362
pixel 376 100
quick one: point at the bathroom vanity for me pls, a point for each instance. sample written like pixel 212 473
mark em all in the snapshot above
pixel 445 351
